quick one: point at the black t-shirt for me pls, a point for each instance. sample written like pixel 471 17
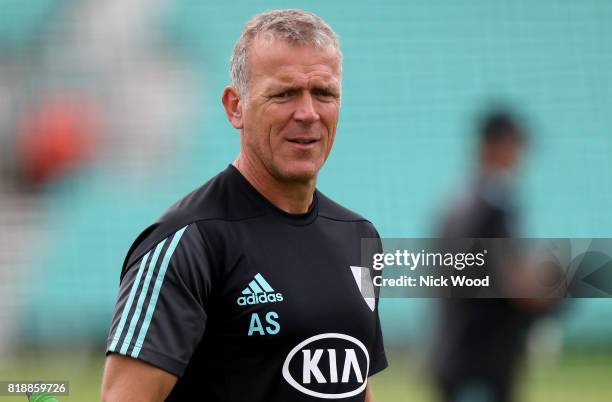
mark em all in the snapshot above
pixel 244 302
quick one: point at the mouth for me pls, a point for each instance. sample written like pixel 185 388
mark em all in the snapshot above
pixel 303 141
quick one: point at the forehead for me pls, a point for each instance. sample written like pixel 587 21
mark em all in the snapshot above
pixel 279 60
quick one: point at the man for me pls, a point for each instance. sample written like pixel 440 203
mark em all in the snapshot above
pixel 479 342
pixel 243 290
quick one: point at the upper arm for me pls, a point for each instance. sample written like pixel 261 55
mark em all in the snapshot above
pixel 160 316
pixel 128 379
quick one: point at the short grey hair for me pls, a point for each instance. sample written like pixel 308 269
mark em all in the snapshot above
pixel 297 27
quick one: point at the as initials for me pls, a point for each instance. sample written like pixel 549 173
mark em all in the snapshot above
pixel 272 327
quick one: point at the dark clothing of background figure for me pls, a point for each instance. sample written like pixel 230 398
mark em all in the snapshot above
pixel 479 341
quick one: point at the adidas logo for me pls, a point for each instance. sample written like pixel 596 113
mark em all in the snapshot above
pixel 258 291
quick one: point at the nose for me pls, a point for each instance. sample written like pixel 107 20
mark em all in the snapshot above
pixel 306 111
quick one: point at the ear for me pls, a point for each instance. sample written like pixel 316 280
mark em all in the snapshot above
pixel 233 106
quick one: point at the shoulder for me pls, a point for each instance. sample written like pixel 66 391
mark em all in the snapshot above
pixel 220 198
pixel 331 210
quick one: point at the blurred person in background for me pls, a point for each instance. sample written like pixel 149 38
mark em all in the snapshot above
pixel 243 290
pixel 479 342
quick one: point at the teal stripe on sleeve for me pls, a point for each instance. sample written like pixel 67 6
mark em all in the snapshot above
pixel 143 295
pixel 158 284
pixel 128 304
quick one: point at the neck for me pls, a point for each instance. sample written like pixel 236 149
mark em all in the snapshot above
pixel 294 197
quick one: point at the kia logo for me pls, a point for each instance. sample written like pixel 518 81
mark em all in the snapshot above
pixel 329 366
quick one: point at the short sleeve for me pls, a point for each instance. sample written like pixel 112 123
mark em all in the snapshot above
pixel 160 315
pixel 378 357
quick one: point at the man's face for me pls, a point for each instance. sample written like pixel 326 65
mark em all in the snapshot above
pixel 508 153
pixel 289 124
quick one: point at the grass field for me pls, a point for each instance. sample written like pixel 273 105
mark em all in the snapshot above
pixel 576 377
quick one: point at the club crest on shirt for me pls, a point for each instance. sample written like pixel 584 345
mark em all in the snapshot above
pixel 365 285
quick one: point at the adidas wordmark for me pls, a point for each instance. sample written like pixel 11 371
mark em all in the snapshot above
pixel 258 291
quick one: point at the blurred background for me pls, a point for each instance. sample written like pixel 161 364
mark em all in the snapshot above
pixel 110 111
